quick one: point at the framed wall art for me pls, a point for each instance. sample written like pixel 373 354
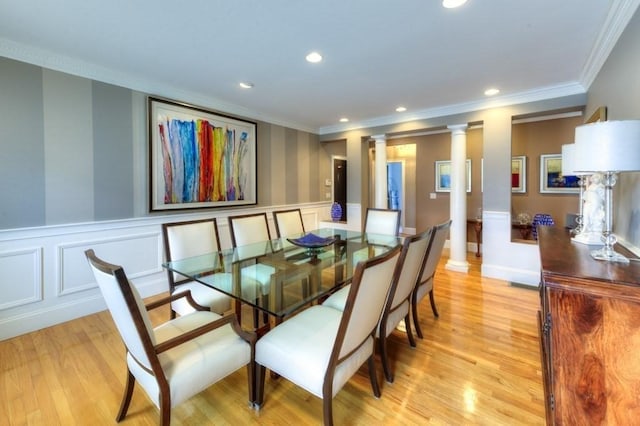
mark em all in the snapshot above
pixel 199 158
pixel 443 176
pixel 551 179
pixel 519 174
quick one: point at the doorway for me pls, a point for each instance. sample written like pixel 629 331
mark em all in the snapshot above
pixel 340 184
pixel 395 187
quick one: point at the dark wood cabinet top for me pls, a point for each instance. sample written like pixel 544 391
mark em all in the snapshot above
pixel 571 266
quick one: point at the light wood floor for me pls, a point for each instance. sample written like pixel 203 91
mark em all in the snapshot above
pixel 478 364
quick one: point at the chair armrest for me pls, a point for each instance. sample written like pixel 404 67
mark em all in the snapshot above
pixel 248 336
pixel 168 299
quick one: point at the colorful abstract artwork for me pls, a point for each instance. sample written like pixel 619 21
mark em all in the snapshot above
pixel 199 158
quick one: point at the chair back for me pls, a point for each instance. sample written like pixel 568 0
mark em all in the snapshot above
pixel 369 290
pixel 188 239
pixel 382 221
pixel 288 223
pixel 127 309
pixel 434 251
pixel 414 250
pixel 249 229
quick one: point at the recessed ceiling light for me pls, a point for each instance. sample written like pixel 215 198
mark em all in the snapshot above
pixel 314 57
pixel 246 85
pixel 401 109
pixel 451 4
pixel 491 92
pixel 344 120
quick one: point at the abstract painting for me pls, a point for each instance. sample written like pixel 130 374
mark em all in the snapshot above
pixel 199 158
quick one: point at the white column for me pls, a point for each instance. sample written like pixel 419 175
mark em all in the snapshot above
pixel 458 201
pixel 380 182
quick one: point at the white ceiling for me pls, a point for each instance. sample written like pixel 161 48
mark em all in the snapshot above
pixel 377 54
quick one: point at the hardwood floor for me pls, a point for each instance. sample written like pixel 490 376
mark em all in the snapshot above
pixel 478 364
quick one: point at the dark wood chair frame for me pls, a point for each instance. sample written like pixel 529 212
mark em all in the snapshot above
pixel 389 309
pixel 152 351
pixel 431 251
pixel 335 360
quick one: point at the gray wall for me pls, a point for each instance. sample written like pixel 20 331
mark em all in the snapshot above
pixel 617 86
pixel 75 150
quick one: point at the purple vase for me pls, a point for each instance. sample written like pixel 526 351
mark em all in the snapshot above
pixel 336 212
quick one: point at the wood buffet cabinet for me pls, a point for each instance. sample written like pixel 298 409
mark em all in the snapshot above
pixel 589 334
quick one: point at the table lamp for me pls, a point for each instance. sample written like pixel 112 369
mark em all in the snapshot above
pixel 608 147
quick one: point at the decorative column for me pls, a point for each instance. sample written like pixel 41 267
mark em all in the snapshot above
pixel 380 184
pixel 458 200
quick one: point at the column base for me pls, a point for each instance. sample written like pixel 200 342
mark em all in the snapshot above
pixel 457 266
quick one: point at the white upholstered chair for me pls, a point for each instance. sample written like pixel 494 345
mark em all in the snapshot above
pixel 177 359
pixel 321 348
pixel 288 223
pixel 246 232
pixel 188 239
pixel 398 304
pixel 425 283
pixel 382 221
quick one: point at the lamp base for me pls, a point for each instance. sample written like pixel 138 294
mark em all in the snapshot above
pixel 609 255
pixel 589 238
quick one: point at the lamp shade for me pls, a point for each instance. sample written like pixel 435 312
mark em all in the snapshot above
pixel 608 146
pixel 569 161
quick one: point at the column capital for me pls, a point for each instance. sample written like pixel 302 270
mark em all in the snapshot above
pixel 379 138
pixel 458 128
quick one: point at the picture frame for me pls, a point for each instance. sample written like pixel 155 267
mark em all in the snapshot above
pixel 551 179
pixel 519 174
pixel 199 158
pixel 443 175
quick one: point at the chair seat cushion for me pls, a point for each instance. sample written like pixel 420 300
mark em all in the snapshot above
pixel 299 350
pixel 423 289
pixel 259 273
pixel 196 364
pixel 206 296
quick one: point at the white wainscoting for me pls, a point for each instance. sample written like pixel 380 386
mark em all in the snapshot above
pixel 45 278
pixel 504 259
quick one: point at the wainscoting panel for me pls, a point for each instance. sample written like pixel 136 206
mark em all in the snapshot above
pixel 139 254
pixel 21 277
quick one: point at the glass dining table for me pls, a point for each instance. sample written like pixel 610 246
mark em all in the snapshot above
pixel 279 277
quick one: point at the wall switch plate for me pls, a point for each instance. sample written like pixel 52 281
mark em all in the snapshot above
pixel 327 195
pixel 432 195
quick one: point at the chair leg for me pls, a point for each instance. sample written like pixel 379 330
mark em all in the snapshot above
pixel 407 326
pixel 373 377
pixel 414 312
pixel 126 397
pixel 259 386
pixel 165 408
pixel 386 368
pixel 433 304
pixel 251 377
pixel 256 318
pixel 327 411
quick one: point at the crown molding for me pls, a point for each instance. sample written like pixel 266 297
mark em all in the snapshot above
pixel 50 60
pixel 617 19
pixel 539 94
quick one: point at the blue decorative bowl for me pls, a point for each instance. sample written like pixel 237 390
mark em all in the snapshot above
pixel 312 241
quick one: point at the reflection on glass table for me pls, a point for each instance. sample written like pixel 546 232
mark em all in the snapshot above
pixel 301 276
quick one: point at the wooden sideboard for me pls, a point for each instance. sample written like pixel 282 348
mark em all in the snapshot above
pixel 589 334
